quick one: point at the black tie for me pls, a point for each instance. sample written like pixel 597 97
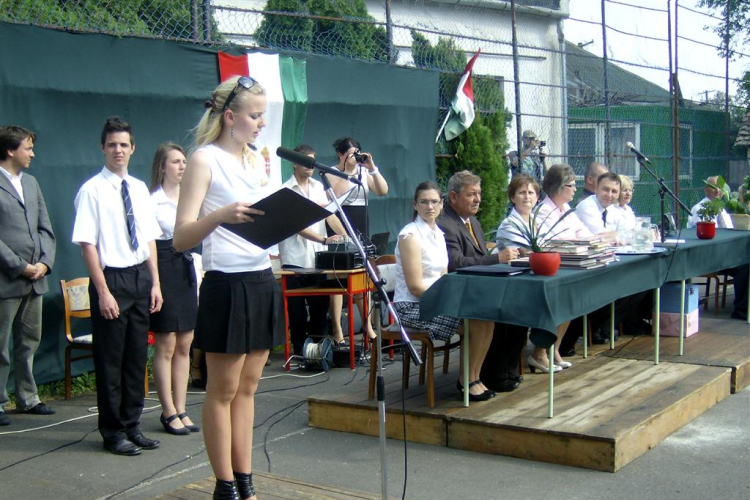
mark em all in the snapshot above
pixel 129 214
pixel 604 216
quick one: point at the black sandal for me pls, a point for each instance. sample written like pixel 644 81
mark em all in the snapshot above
pixel 191 428
pixel 226 490
pixel 245 485
pixel 486 395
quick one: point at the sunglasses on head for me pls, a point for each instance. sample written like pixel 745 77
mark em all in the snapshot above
pixel 245 82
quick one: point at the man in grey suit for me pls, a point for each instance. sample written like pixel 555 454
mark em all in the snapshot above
pixel 27 252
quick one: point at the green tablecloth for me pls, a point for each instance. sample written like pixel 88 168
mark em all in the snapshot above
pixel 697 257
pixel 545 302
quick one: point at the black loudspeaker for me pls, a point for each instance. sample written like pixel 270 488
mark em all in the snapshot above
pixel 337 260
pixel 341 356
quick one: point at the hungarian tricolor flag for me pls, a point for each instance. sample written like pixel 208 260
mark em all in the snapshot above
pixel 285 81
pixel 461 114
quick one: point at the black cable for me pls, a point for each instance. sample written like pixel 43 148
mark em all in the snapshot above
pixel 265 438
pixel 48 451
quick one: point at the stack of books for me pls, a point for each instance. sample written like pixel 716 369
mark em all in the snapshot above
pixel 577 254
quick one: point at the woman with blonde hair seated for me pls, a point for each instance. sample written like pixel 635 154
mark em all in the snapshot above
pixel 421 259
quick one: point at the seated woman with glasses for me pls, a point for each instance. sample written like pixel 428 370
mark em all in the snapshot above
pixel 421 259
pixel 560 187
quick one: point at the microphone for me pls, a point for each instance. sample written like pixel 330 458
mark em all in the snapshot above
pixel 309 162
pixel 629 145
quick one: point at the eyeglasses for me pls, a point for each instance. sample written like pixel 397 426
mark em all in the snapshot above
pixel 572 185
pixel 427 203
pixel 627 191
pixel 245 82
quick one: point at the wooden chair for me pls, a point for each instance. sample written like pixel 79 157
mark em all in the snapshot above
pixel 76 304
pixel 391 334
pixel 717 279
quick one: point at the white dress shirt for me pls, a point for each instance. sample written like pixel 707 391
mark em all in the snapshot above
pixel 627 217
pixel 166 213
pixel 722 220
pixel 15 182
pixel 434 257
pixel 589 211
pixel 298 250
pixel 100 219
pixel 570 228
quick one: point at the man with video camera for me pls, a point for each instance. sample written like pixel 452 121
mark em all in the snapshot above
pixel 532 157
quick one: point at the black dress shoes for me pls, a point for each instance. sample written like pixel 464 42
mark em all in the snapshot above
pixel 40 409
pixel 143 442
pixel 739 314
pixel 569 353
pixel 122 447
pixel 516 378
pixel 504 385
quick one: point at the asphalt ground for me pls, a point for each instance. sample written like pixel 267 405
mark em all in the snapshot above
pixel 709 458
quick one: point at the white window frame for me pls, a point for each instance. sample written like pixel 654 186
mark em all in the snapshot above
pixel 599 141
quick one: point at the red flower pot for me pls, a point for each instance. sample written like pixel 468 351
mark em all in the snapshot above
pixel 544 263
pixel 705 230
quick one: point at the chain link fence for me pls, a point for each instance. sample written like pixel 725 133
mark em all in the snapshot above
pixel 581 78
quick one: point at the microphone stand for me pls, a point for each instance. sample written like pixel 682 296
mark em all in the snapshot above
pixel 663 190
pixel 406 341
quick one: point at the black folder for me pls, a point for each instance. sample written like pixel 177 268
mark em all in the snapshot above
pixel 286 213
pixel 492 270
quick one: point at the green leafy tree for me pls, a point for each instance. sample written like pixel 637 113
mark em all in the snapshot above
pixel 734 27
pixel 480 149
pixel 333 30
pixel 161 18
pixel 286 32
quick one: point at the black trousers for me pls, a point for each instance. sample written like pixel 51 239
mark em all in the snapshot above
pixel 739 274
pixel 503 357
pixel 299 325
pixel 120 351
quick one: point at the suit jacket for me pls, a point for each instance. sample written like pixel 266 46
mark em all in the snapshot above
pixel 462 251
pixel 26 237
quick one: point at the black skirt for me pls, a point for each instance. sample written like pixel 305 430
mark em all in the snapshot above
pixel 178 289
pixel 239 312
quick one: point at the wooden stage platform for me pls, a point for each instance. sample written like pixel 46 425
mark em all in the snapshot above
pixel 271 487
pixel 609 409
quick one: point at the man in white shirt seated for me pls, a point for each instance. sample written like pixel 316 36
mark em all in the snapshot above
pixel 723 219
pixel 298 251
pixel 598 212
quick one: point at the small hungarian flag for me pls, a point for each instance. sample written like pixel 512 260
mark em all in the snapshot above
pixel 285 81
pixel 461 114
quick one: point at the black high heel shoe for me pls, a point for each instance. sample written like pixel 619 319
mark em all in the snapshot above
pixel 192 427
pixel 486 395
pixel 245 485
pixel 226 490
pixel 165 421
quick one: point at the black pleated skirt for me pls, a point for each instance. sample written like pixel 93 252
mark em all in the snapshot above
pixel 178 288
pixel 239 312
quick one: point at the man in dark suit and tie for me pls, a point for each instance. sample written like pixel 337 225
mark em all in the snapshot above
pixel 27 252
pixel 466 245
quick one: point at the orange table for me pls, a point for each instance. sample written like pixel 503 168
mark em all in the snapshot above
pixel 355 280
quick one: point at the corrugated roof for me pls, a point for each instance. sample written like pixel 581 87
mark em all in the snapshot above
pixel 586 82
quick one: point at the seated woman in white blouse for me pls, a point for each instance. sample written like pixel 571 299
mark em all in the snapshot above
pixel 627 216
pixel 421 258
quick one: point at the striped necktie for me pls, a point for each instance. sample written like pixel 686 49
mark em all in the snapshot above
pixel 129 214
pixel 471 232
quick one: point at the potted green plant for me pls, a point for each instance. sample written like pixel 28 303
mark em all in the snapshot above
pixel 706 227
pixel 733 203
pixel 543 260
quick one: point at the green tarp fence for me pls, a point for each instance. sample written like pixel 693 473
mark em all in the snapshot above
pixel 64 85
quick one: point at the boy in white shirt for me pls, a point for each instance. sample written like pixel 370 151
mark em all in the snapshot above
pixel 116 228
